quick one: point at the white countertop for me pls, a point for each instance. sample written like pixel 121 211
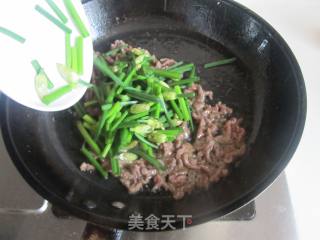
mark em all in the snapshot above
pixel 299 23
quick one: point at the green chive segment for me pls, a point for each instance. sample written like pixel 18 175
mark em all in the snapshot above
pixel 74 63
pixel 88 139
pixel 220 63
pixel 153 161
pixel 76 18
pixel 79 49
pixel 68 50
pixel 56 94
pixel 94 162
pixel 41 77
pixel 57 11
pixel 132 107
pixel 12 34
pixel 52 19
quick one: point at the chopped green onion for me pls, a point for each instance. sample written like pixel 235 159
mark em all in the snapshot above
pixel 36 66
pixel 220 63
pixel 150 152
pixel 90 103
pixel 67 73
pixel 56 94
pixel 130 124
pixel 68 50
pixel 187 95
pixel 89 127
pixel 128 103
pixel 142 96
pixel 74 64
pixel 184 68
pixel 94 162
pixel 12 35
pixel 85 84
pixel 106 107
pixel 79 49
pixel 153 161
pixel 52 19
pixel 171 132
pixel 167 74
pixel 185 81
pixel 125 137
pixel 139 108
pixel 128 79
pixel 108 114
pixel 111 95
pixel 169 95
pixel 110 121
pixel 115 166
pixel 154 123
pixel 39 70
pixel 108 145
pixel 190 117
pixel 114 110
pixel 142 129
pixel 157 137
pixel 76 18
pixel 41 84
pixel 79 109
pixel 119 121
pixel 176 109
pixel 101 64
pixel 142 139
pixel 157 110
pixel 176 122
pixel 124 98
pixel 97 93
pixel 57 11
pixel 163 85
pixel 193 73
pixel 101 124
pixel 182 104
pixel 88 139
pixel 164 107
pixel 129 146
pixel 127 157
pixel 177 64
pixel 89 119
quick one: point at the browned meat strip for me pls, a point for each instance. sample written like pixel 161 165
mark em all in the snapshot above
pixel 86 167
pixel 190 163
pixel 134 176
pixel 218 142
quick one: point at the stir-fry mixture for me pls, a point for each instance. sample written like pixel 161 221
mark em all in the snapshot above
pixel 147 121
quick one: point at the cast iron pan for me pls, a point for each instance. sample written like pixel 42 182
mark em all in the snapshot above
pixel 265 87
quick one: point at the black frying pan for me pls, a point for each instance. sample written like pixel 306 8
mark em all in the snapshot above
pixel 265 87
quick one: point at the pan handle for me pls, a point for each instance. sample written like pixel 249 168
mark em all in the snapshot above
pixel 94 232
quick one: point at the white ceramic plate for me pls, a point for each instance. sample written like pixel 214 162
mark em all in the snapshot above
pixel 44 42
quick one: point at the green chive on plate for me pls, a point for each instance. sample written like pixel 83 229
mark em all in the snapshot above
pixel 45 31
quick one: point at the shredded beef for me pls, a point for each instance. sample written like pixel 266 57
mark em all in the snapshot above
pixel 191 161
pixel 218 142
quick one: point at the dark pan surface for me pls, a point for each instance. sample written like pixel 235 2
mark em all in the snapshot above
pixel 265 87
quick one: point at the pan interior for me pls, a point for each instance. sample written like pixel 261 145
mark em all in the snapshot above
pixel 262 87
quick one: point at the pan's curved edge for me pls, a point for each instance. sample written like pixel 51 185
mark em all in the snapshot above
pixel 260 187
pixel 299 127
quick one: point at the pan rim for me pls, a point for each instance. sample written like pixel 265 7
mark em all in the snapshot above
pixel 210 215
